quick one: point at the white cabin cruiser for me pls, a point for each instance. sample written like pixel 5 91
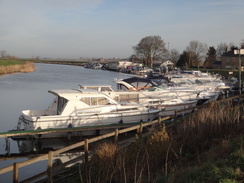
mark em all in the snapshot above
pixel 84 108
pixel 157 88
pixel 167 103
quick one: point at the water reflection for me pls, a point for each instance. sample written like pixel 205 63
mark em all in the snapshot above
pixel 40 146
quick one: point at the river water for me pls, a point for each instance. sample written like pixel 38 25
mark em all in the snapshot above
pixel 30 91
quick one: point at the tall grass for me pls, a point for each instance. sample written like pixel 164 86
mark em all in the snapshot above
pixel 13 66
pixel 165 155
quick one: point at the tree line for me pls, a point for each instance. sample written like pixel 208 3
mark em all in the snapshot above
pixel 153 48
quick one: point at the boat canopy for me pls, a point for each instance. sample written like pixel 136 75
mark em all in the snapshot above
pixel 137 82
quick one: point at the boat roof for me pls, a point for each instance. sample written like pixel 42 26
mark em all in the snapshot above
pixel 97 87
pixel 74 93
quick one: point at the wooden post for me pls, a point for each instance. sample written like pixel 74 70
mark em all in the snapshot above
pixel 175 114
pixel 159 121
pixel 16 173
pixel 86 146
pixel 50 165
pixel 139 130
pixel 116 136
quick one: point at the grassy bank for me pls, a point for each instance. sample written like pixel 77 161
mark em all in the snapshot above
pixel 205 147
pixel 13 66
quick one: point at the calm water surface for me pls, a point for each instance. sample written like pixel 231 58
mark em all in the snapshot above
pixel 30 91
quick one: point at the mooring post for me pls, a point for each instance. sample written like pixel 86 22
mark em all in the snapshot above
pixel 116 135
pixel 50 166
pixel 16 173
pixel 139 130
pixel 86 146
pixel 159 121
pixel 7 149
pixel 175 114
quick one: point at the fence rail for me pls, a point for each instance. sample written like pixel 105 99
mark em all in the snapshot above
pixel 15 167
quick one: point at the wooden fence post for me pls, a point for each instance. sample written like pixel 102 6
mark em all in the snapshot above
pixel 116 136
pixel 86 149
pixel 139 130
pixel 175 114
pixel 159 121
pixel 50 166
pixel 16 173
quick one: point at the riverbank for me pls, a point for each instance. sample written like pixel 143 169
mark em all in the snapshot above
pixel 15 66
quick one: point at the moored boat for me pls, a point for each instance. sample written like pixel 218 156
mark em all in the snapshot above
pixel 167 102
pixel 84 108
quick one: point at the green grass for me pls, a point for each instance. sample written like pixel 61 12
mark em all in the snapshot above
pixel 10 62
pixel 226 167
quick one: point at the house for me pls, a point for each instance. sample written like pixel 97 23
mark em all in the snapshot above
pixel 217 65
pixel 230 60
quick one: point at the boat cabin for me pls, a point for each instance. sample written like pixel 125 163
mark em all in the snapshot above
pixel 68 102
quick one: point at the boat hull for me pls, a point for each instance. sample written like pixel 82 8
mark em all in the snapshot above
pixel 86 120
pixel 177 109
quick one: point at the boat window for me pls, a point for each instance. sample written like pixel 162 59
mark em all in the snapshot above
pixel 102 101
pixel 92 101
pixel 117 99
pixel 154 102
pixel 129 97
pixel 86 100
pixel 122 87
pixel 126 109
pixel 61 104
pixel 106 89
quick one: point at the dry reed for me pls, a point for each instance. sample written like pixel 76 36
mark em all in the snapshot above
pixel 156 158
pixel 25 67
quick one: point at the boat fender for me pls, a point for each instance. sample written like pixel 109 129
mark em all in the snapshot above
pixel 141 121
pixel 121 121
pixel 70 126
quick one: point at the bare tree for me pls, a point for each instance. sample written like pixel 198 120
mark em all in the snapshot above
pixel 221 48
pixel 242 44
pixel 197 52
pixel 3 53
pixel 149 49
pixel 174 55
pixel 133 58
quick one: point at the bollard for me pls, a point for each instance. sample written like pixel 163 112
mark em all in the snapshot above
pixel 86 146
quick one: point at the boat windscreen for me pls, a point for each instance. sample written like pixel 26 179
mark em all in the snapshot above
pixel 61 104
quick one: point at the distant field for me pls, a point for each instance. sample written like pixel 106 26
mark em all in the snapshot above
pixel 10 62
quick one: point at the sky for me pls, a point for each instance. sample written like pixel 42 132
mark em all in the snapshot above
pixel 110 28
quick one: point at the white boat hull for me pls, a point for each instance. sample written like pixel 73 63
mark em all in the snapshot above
pixel 180 109
pixel 86 120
